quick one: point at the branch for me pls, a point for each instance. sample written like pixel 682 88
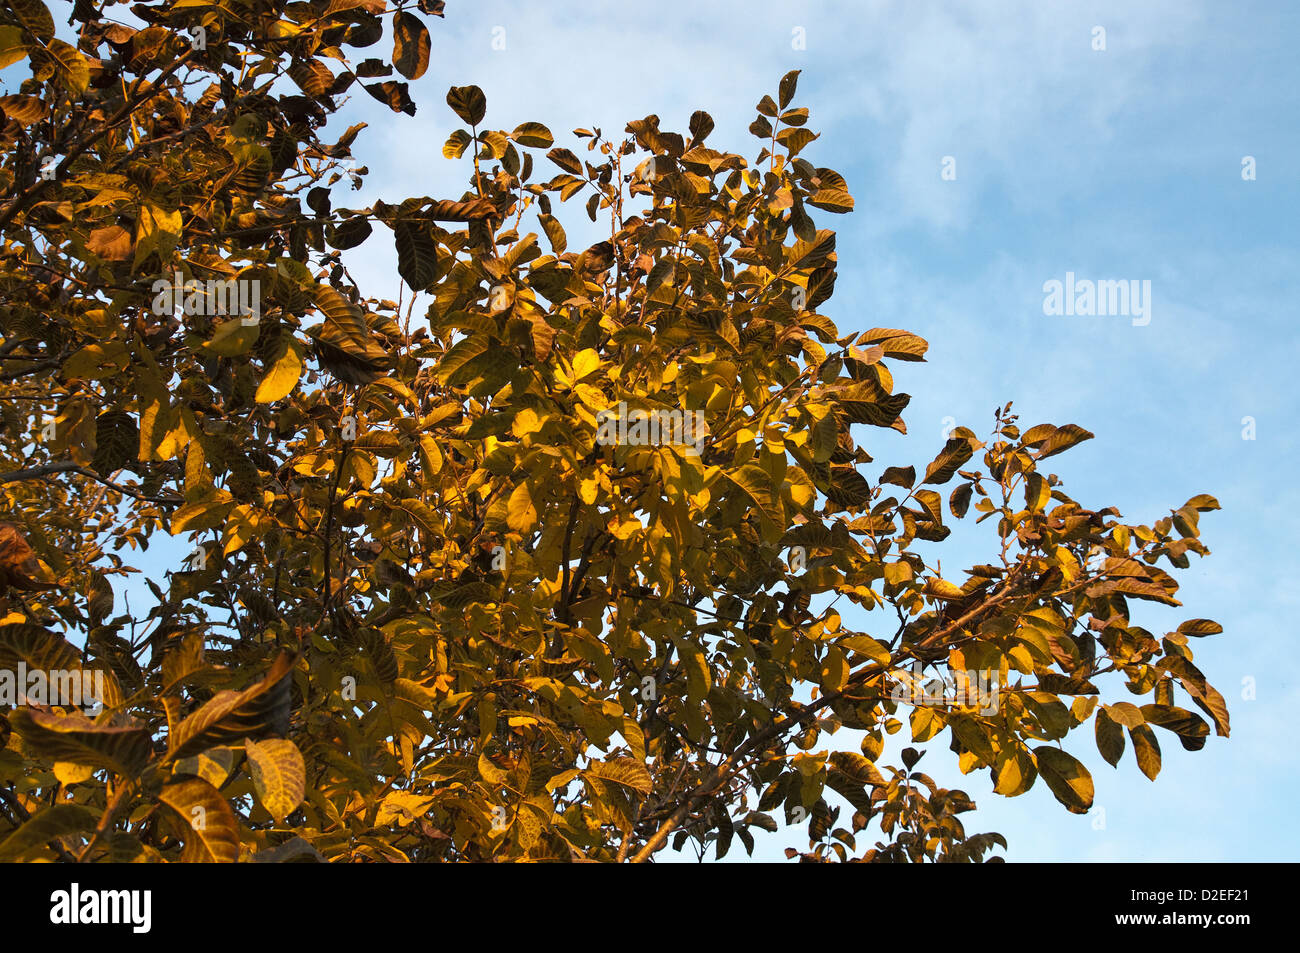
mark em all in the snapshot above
pixel 725 769
pixel 49 469
pixel 28 371
pixel 31 192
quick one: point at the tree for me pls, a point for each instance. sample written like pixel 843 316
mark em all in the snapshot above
pixel 549 571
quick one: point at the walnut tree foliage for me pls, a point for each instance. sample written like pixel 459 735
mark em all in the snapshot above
pixel 428 614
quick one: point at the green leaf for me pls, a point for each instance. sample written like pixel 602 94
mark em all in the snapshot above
pixel 786 90
pixel 123 749
pixel 1110 738
pixel 230 716
pixel 50 823
pixel 1190 727
pixel 468 102
pixel 1146 749
pixel 533 135
pixel 1066 776
pixel 417 255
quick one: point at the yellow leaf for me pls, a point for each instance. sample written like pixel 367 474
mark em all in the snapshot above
pixel 866 645
pixel 213 765
pixel 490 772
pixel 698 677
pixel 622 531
pixel 430 459
pixel 584 362
pixel 526 422
pixel 211 831
pixel 591 396
pixel 69 772
pixel 279 775
pixel 155 230
pixel 200 516
pixel 835 671
pixel 285 369
pixel 11 46
pixel 233 338
pixel 72 66
pixel 243 525
pixel 521 513
pixel 1015 772
pixel 402 807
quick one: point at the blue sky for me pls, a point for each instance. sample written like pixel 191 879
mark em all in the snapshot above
pixel 1117 163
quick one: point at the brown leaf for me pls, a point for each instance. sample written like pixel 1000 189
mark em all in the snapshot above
pixel 18 562
pixel 471 210
pixel 112 243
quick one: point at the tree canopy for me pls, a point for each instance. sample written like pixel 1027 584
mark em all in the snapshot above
pixel 557 566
